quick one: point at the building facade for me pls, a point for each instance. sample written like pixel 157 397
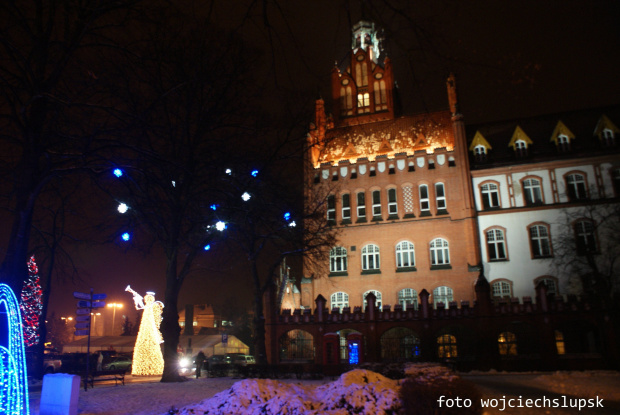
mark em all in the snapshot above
pixel 397 188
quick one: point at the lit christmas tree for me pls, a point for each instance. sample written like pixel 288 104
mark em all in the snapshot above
pixel 147 357
pixel 31 304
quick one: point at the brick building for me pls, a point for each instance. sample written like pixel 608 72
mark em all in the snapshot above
pixel 399 190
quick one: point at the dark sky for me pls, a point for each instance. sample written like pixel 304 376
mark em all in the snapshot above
pixel 512 59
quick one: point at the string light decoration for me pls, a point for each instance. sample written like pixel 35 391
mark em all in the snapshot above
pixel 31 304
pixel 147 356
pixel 13 375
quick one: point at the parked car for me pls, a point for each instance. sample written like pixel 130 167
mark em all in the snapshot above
pixel 242 359
pixel 218 359
pixel 51 363
pixel 118 362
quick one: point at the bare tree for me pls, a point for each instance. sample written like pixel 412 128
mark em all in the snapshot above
pixel 587 252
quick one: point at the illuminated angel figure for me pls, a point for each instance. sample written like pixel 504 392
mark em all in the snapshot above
pixel 147 357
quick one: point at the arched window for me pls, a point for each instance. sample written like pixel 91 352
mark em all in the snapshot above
pixel 532 192
pixel 440 252
pixel 440 196
pixel 339 300
pixel 520 148
pixel 377 294
pixel 576 188
pixel 346 207
pixel 446 346
pixel 559 342
pixel 363 102
pixel 338 259
pixel 408 296
pixel 501 289
pixel 607 136
pixel 331 208
pixel 405 255
pixel 297 345
pixel 480 153
pixel 496 245
pixel 442 295
pixel 563 143
pixel 346 100
pixel 398 344
pixel 392 203
pixel 370 257
pixel 550 282
pixel 585 238
pixel 490 195
pixel 540 241
pixel 376 204
pixel 507 343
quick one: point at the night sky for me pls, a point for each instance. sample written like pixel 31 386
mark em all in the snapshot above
pixel 512 59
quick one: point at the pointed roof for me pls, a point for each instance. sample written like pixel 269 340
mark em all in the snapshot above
pixel 479 140
pixel 561 129
pixel 519 135
pixel 605 123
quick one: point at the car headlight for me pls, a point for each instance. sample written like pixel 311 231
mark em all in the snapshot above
pixel 184 362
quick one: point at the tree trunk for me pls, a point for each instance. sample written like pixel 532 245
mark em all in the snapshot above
pixel 170 328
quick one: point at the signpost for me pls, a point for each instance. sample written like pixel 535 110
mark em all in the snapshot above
pixel 82 326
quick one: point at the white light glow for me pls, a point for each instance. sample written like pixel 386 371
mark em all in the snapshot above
pixel 220 226
pixel 122 208
pixel 246 196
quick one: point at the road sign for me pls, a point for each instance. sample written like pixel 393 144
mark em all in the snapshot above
pixel 84 304
pixel 98 304
pixel 82 325
pixel 224 338
pixel 99 296
pixel 83 318
pixel 81 296
pixel 82 311
pixel 82 332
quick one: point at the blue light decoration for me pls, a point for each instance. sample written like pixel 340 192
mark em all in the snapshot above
pixel 13 375
pixel 287 216
pixel 354 353
pixel 214 206
pixel 126 236
pixel 117 172
pixel 207 247
pixel 254 173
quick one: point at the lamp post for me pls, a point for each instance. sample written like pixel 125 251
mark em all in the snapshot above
pixel 94 326
pixel 114 306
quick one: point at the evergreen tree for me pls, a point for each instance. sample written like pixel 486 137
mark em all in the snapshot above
pixel 31 304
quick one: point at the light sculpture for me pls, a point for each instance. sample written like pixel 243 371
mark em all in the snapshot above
pixel 147 357
pixel 13 376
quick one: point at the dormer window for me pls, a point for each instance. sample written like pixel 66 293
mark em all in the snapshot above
pixel 563 143
pixel 480 153
pixel 608 138
pixel 520 148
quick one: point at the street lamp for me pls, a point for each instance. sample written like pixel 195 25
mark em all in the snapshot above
pixel 95 322
pixel 114 306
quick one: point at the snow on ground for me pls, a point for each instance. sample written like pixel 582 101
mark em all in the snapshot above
pixel 365 390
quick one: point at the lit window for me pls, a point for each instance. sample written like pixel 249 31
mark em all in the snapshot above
pixel 520 148
pixel 490 195
pixel 370 257
pixel 346 101
pixel 346 207
pixel 376 203
pixel 442 295
pixel 392 205
pixel 405 255
pixel 440 196
pixel 338 259
pixel 425 205
pixel 501 289
pixel 440 252
pixel 331 208
pixel 377 296
pixel 576 187
pixel 361 205
pixel 339 300
pixel 446 346
pixel 496 245
pixel 532 192
pixel 408 296
pixel 563 143
pixel 480 153
pixel 539 239
pixel 584 236
pixel 559 342
pixel 507 343
pixel 363 102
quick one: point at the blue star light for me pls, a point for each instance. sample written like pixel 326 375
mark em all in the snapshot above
pixel 254 173
pixel 287 216
pixel 207 247
pixel 117 172
pixel 214 206
pixel 126 236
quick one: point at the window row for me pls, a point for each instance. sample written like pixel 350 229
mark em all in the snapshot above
pixel 502 288
pixel 576 189
pixel 540 240
pixel 375 206
pixel 439 250
pixel 406 297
